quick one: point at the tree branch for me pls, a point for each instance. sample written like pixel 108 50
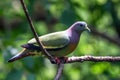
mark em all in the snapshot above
pixel 59 71
pixel 35 34
pixel 93 59
pixel 103 35
pixel 83 59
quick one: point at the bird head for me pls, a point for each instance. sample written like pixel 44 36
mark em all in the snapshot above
pixel 80 26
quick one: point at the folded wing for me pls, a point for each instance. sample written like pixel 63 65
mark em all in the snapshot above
pixel 55 40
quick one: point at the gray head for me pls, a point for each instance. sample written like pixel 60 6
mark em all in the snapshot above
pixel 80 26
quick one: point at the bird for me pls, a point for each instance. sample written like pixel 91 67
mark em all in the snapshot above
pixel 58 44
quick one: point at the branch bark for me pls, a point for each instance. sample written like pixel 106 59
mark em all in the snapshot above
pixel 93 59
pixel 59 71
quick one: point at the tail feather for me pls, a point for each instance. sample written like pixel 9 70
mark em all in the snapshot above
pixel 20 55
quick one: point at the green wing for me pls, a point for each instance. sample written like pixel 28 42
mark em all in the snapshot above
pixel 53 40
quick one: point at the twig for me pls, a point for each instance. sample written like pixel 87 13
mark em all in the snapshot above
pixel 103 35
pixel 35 34
pixel 59 71
pixel 93 59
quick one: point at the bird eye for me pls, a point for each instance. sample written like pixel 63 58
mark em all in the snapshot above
pixel 81 25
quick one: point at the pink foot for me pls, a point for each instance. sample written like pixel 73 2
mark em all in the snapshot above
pixel 59 60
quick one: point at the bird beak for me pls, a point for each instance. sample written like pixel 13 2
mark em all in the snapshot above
pixel 86 28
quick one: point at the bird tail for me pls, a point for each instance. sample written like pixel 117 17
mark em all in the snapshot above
pixel 22 54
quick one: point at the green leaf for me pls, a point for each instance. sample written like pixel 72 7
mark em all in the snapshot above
pixel 14 75
pixel 68 17
pixel 31 77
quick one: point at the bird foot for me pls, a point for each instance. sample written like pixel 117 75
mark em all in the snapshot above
pixel 59 60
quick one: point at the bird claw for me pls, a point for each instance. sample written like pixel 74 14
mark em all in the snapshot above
pixel 58 60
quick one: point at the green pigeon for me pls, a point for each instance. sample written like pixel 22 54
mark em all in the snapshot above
pixel 58 44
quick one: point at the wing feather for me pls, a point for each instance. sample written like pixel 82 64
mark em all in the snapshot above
pixel 53 40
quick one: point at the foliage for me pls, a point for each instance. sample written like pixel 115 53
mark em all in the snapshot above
pixel 55 15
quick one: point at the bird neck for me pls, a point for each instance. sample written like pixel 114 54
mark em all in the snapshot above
pixel 74 35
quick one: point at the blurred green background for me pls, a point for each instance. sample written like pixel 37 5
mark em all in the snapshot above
pixel 103 17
